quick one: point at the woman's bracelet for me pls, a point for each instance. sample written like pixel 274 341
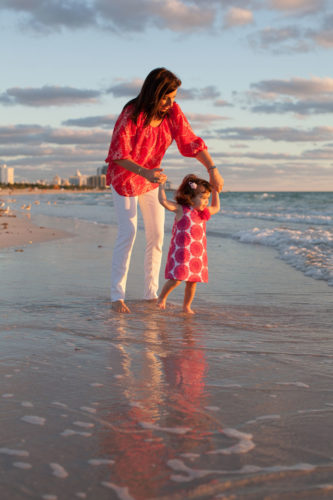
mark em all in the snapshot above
pixel 211 168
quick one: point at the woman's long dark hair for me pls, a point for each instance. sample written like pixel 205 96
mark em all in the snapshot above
pixel 157 84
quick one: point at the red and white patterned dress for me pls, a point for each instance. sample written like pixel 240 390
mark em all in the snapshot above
pixel 146 146
pixel 187 257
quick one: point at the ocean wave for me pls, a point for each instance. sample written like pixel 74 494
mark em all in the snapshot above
pixel 262 196
pixel 321 219
pixel 309 251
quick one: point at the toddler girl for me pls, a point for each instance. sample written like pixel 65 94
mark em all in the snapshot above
pixel 187 257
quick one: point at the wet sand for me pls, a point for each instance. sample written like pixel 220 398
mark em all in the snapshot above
pixel 17 231
pixel 235 402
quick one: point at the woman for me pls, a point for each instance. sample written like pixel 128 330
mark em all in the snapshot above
pixel 143 132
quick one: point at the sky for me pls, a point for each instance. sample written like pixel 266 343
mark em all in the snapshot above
pixel 257 85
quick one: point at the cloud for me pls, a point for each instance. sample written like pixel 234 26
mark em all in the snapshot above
pixel 187 94
pixel 202 120
pixel 221 103
pixel 36 134
pixel 174 15
pixel 15 134
pixel 309 107
pixel 52 15
pixel 312 154
pixel 104 121
pixel 288 134
pixel 237 17
pixel 297 95
pixel 48 96
pixel 126 89
pixel 33 149
pixel 209 92
pixel 299 87
pixel 124 15
pixel 324 38
pixel 179 16
pixel 324 35
pixel 55 15
pixel 284 40
pixel 69 136
pixel 300 37
pixel 297 6
pixel 319 154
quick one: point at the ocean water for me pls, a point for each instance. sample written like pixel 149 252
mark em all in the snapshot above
pixel 235 402
pixel 298 226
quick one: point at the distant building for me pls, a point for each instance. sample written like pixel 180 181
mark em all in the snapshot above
pixel 56 181
pixel 6 175
pixel 78 179
pixel 102 170
pixel 97 181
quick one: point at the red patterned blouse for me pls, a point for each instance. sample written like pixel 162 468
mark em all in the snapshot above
pixel 147 146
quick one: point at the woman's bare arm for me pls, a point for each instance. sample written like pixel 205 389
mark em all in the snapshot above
pixel 154 175
pixel 215 177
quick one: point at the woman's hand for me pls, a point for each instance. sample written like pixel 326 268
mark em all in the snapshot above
pixel 154 175
pixel 216 179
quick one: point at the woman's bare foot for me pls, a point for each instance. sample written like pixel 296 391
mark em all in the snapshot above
pixel 188 310
pixel 120 306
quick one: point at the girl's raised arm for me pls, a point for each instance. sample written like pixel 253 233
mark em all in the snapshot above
pixel 215 205
pixel 168 204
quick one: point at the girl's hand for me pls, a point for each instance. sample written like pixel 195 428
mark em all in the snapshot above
pixel 216 179
pixel 155 175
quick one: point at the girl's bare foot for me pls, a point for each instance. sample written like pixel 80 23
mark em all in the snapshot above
pixel 161 304
pixel 188 310
pixel 120 306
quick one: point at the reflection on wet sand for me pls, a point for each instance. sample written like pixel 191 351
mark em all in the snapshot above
pixel 160 411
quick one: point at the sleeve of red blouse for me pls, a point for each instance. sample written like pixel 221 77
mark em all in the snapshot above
pixel 121 141
pixel 188 143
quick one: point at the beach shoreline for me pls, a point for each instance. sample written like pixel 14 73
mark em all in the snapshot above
pixel 18 231
pixel 39 191
pixel 16 228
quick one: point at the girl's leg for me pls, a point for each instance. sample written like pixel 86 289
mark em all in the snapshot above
pixel 190 287
pixel 153 217
pixel 168 287
pixel 126 211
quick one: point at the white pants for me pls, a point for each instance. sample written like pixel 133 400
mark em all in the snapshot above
pixel 153 217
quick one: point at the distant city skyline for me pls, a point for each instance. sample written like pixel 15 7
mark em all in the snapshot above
pixel 6 174
pixel 256 85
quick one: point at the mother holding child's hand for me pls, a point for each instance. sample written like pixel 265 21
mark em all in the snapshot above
pixel 144 130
